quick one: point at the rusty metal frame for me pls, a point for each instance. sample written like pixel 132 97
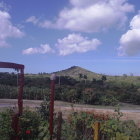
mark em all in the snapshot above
pixel 19 68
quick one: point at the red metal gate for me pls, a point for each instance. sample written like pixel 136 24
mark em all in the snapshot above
pixel 20 68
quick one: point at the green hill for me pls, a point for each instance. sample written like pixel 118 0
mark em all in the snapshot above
pixel 74 72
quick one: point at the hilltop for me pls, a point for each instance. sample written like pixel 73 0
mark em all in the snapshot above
pixel 74 72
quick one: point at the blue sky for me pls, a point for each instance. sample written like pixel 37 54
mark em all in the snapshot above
pixel 49 35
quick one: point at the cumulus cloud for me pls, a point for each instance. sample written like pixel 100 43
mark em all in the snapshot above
pixel 91 15
pixel 83 3
pixel 43 49
pixel 130 41
pixel 135 22
pixel 32 19
pixel 4 6
pixel 75 43
pixel 7 30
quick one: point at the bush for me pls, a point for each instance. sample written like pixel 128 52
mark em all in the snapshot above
pixel 44 133
pixel 44 109
pixel 30 122
pixel 5 124
pixel 78 126
pixel 108 100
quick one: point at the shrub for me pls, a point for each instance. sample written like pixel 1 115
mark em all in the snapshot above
pixel 78 126
pixel 44 133
pixel 29 123
pixel 5 124
pixel 44 109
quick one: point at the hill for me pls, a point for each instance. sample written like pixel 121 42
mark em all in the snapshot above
pixel 74 72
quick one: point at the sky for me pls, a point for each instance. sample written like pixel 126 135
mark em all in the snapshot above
pixel 50 35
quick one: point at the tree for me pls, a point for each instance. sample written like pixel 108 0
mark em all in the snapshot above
pixel 124 75
pixel 103 78
pixel 94 81
pixel 85 77
pixel 80 76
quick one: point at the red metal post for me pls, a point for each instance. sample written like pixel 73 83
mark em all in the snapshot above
pixel 59 126
pixel 20 94
pixel 20 105
pixel 52 104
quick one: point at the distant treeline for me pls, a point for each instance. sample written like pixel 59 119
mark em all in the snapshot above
pixel 97 91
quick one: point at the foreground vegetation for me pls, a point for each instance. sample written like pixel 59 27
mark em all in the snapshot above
pixel 35 125
pixel 100 90
pixel 103 90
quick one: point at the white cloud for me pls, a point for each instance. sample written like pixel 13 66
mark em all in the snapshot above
pixel 46 24
pixel 83 3
pixel 135 22
pixel 91 15
pixel 7 30
pixel 43 49
pixel 130 41
pixel 75 43
pixel 32 19
pixel 4 6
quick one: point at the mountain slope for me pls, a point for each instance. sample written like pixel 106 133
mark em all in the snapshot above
pixel 74 72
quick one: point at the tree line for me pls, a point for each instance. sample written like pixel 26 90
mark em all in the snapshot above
pixel 97 91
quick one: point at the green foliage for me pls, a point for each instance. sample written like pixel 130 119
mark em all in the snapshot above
pixel 120 130
pixel 8 78
pixel 108 100
pixel 31 121
pixel 121 136
pixel 103 90
pixel 130 129
pixel 33 125
pixel 115 129
pixel 104 78
pixel 5 124
pixel 7 91
pixel 44 109
pixel 44 133
pixel 78 126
